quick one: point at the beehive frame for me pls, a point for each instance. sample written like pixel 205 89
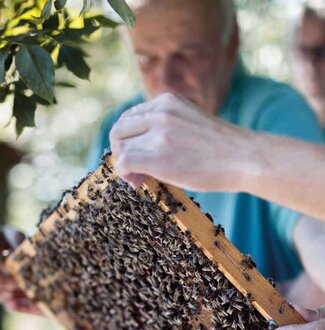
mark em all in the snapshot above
pixel 238 269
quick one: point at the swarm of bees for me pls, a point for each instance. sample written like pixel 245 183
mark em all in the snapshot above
pixel 121 262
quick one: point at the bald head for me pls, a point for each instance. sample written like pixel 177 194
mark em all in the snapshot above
pixel 221 12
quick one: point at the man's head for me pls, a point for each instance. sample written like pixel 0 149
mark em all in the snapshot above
pixel 187 47
pixel 309 56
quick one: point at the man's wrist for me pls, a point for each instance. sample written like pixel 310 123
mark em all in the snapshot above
pixel 237 159
pixel 252 163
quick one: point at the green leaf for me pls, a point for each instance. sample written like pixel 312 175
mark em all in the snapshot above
pixel 18 5
pixel 103 20
pixel 65 84
pixel 66 17
pixel 36 68
pixel 46 11
pixel 8 61
pixel 75 34
pixel 121 7
pixel 20 86
pixel 4 52
pixel 30 35
pixel 74 60
pixel 59 4
pixel 30 23
pixel 86 6
pixel 23 10
pixel 19 129
pixel 24 112
pixel 4 92
pixel 52 23
pixel 39 100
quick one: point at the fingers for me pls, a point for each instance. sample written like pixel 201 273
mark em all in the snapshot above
pixel 134 180
pixel 12 236
pixel 319 325
pixel 127 128
pixel 162 111
pixel 163 101
pixel 147 137
pixel 139 109
pixel 141 144
pixel 22 305
pixel 13 292
pixel 12 297
pixel 310 316
pixel 132 163
pixel 7 283
pixel 139 137
pixel 16 301
pixel 166 102
pixel 137 125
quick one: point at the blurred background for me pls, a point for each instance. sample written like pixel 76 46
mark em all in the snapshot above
pixel 44 161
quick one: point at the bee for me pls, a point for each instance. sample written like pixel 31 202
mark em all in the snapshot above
pixel 281 309
pixel 248 261
pixel 249 297
pixel 271 281
pixel 218 229
pixel 209 216
pixel 247 276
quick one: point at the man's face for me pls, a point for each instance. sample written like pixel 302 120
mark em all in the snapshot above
pixel 179 49
pixel 310 55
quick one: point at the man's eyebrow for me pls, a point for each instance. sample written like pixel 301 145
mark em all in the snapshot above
pixel 140 51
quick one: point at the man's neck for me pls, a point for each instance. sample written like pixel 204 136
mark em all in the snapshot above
pixel 319 107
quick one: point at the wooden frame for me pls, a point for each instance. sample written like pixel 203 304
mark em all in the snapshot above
pixel 228 259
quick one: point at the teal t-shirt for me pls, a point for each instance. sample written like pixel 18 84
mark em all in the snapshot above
pixel 255 226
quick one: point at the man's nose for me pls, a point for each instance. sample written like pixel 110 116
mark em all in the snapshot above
pixel 170 75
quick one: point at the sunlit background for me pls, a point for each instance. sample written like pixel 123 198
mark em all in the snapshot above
pixel 51 157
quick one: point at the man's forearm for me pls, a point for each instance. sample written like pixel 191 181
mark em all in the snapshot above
pixel 309 239
pixel 164 137
pixel 288 172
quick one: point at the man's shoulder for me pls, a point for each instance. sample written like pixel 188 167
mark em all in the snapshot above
pixel 263 101
pixel 255 87
pixel 131 102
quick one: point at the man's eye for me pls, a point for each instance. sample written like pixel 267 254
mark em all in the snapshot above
pixel 308 52
pixel 142 59
pixel 145 59
pixel 191 53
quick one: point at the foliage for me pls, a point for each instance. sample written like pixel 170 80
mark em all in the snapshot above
pixel 36 39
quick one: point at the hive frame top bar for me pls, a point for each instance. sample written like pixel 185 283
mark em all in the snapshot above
pixel 228 259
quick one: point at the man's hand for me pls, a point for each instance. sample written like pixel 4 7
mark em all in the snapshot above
pixel 11 297
pixel 170 139
pixel 315 319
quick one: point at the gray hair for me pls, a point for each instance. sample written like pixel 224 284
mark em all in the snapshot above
pixel 315 6
pixel 313 9
pixel 227 12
